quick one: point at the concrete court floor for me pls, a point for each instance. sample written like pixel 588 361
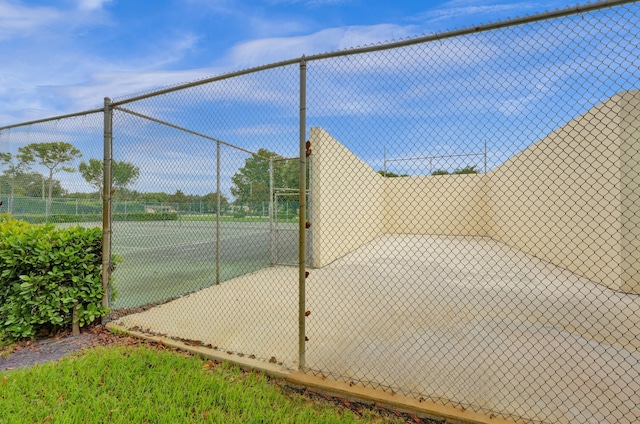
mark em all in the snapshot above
pixel 466 321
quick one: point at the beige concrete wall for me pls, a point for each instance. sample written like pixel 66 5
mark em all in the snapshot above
pixel 452 205
pixel 572 198
pixel 561 199
pixel 347 200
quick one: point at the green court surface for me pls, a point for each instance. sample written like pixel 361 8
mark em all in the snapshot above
pixel 167 259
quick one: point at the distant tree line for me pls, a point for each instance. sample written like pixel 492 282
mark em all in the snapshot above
pixel 53 156
pixel 250 185
pixel 458 171
pixel 18 180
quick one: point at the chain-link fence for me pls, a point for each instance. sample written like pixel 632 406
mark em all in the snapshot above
pixel 493 262
pixel 469 216
pixel 223 142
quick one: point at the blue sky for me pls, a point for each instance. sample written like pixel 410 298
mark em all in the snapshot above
pixel 506 88
pixel 60 56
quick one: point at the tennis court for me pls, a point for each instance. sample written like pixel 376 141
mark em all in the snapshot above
pixel 498 329
pixel 166 259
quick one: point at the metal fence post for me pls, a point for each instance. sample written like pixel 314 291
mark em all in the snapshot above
pixel 272 211
pixel 384 160
pixel 218 213
pixel 310 212
pixel 106 203
pixel 303 218
pixel 485 156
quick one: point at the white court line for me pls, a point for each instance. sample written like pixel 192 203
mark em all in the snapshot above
pixel 142 249
pixel 116 234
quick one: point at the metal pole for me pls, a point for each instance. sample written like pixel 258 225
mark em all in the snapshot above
pixel 106 203
pixel 310 211
pixel 218 195
pixel 158 121
pixel 384 161
pixel 485 156
pixel 303 218
pixel 272 236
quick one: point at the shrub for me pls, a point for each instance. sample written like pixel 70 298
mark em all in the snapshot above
pixel 120 216
pixel 440 172
pixel 44 272
pixel 143 216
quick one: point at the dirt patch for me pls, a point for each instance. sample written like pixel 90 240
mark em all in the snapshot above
pixel 52 347
pixel 28 353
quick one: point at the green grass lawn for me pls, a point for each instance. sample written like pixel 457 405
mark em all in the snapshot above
pixel 139 384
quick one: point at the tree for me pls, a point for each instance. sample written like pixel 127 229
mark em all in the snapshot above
pixel 251 182
pixel 5 158
pixel 466 170
pixel 254 172
pixel 16 166
pixel 211 200
pixel 388 174
pixel 458 171
pixel 178 197
pixel 92 173
pixel 156 197
pixel 32 184
pixel 123 174
pixel 440 172
pixel 52 156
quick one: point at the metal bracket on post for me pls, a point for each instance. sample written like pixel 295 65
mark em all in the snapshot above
pixel 303 219
pixel 106 204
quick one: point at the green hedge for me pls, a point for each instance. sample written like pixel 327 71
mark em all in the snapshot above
pixel 44 271
pixel 143 216
pixel 131 216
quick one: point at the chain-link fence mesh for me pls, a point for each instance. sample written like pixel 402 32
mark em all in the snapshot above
pixel 216 152
pixel 473 234
pixel 476 219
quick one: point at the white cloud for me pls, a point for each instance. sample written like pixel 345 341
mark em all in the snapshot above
pixel 17 20
pixel 461 9
pixel 170 49
pixel 269 50
pixel 217 6
pixel 115 84
pixel 477 12
pixel 312 3
pixel 91 4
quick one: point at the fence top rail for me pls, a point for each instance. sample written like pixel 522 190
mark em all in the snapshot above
pixel 573 10
pixel 391 45
pixel 433 157
pixel 168 124
pixel 52 118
